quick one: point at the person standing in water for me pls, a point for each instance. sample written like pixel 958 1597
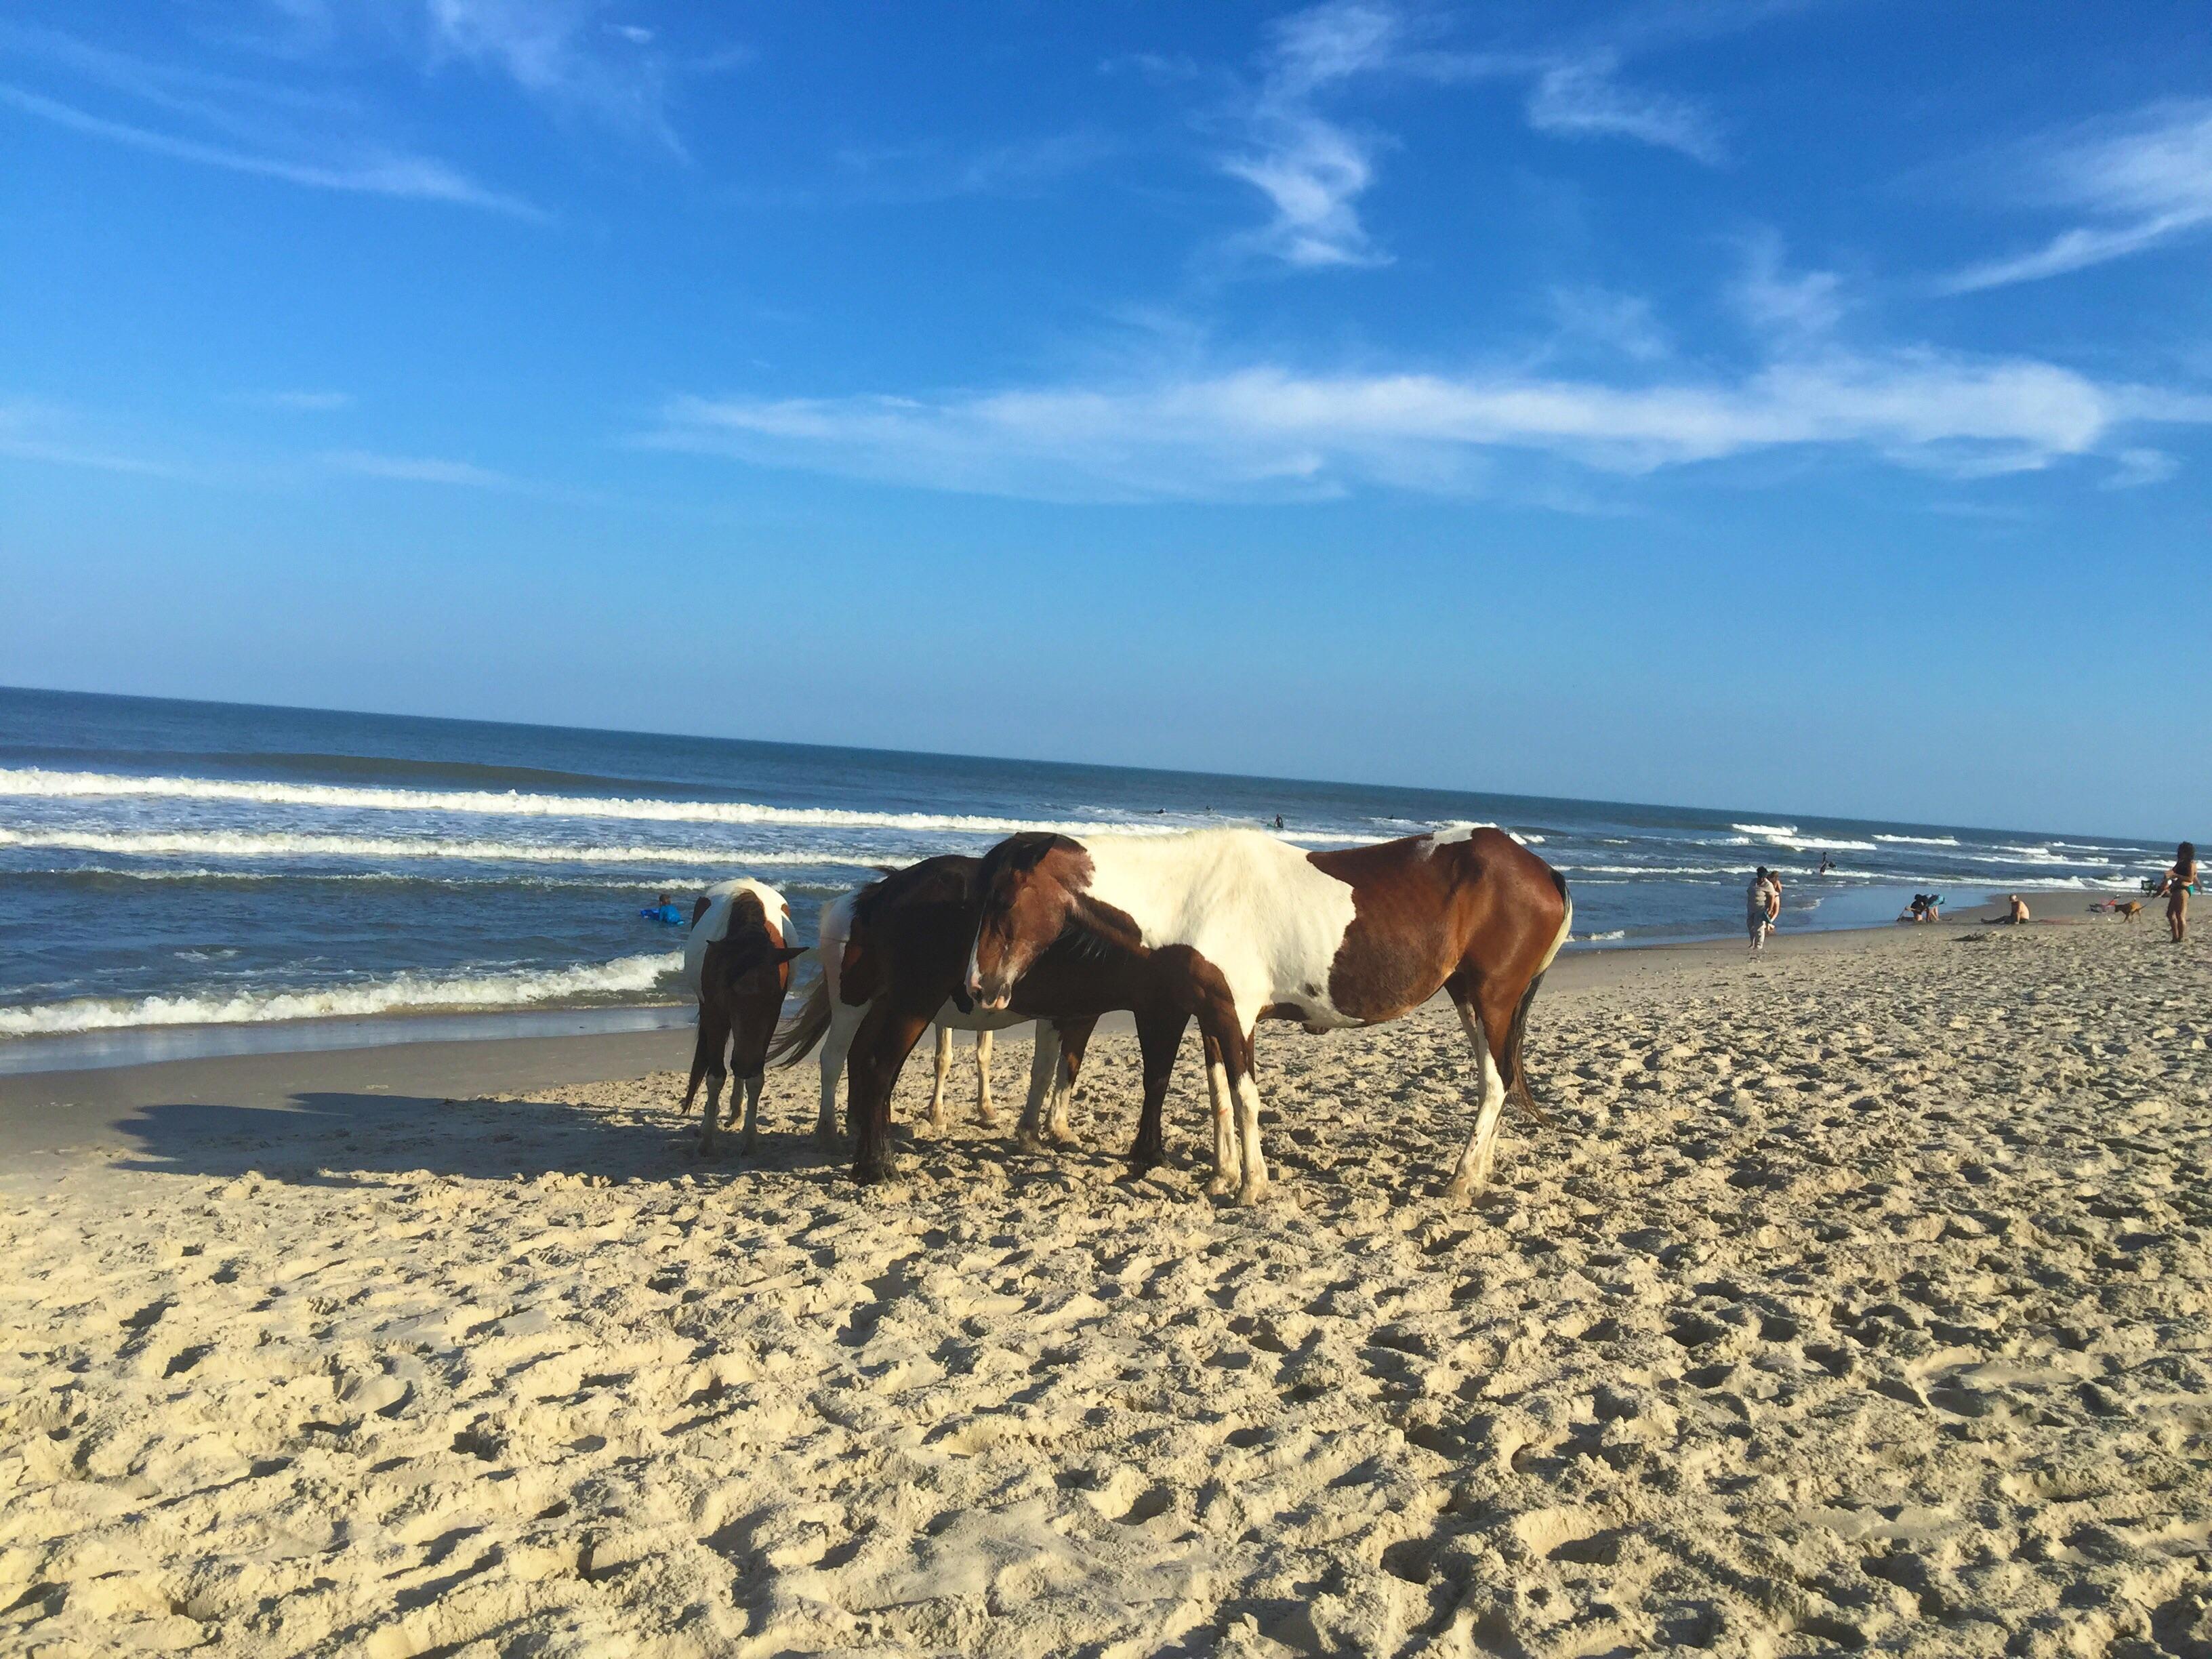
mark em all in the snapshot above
pixel 2180 883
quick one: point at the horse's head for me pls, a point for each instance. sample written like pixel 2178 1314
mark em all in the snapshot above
pixel 1027 884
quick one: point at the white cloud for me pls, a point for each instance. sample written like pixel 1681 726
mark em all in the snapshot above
pixel 1272 432
pixel 2143 182
pixel 1621 322
pixel 416 469
pixel 388 174
pixel 33 431
pixel 2136 467
pixel 1583 100
pixel 1312 169
pixel 546 48
pixel 1778 302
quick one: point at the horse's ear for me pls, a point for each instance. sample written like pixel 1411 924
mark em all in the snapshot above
pixel 1026 851
pixel 698 909
pixel 791 952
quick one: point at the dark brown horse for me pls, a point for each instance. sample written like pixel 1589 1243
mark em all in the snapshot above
pixel 909 943
pixel 1247 927
pixel 738 963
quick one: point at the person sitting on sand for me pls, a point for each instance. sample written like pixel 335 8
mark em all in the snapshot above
pixel 2015 913
pixel 2180 881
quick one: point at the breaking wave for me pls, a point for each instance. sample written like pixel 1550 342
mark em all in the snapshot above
pixel 626 977
pixel 253 844
pixel 38 781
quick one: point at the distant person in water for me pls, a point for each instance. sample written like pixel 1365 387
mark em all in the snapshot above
pixel 1826 864
pixel 1279 820
pixel 663 909
pixel 2180 883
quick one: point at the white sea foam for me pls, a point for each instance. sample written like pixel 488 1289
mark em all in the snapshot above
pixel 1922 841
pixel 373 878
pixel 39 781
pixel 1594 938
pixel 625 976
pixel 1765 828
pixel 253 844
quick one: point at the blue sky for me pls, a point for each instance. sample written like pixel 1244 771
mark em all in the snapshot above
pixel 1792 406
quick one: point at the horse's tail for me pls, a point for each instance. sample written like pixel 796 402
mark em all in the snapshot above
pixel 795 1037
pixel 1516 1072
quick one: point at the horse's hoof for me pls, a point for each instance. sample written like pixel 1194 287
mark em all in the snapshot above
pixel 1220 1186
pixel 1252 1192
pixel 1030 1141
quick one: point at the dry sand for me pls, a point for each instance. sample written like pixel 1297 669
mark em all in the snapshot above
pixel 1855 1297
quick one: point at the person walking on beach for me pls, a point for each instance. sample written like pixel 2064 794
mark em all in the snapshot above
pixel 1762 903
pixel 2180 883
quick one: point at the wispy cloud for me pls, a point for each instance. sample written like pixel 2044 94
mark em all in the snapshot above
pixel 565 53
pixel 31 430
pixel 1314 165
pixel 2141 182
pixel 1584 100
pixel 1269 432
pixel 1312 169
pixel 416 469
pixel 244 126
pixel 938 172
pixel 1785 304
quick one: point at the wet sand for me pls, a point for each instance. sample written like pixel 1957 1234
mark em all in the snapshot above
pixel 1853 1296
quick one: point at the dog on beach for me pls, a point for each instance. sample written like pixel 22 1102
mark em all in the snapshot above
pixel 2129 911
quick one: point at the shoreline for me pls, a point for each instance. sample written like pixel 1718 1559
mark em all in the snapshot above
pixel 127 1046
pixel 303 1087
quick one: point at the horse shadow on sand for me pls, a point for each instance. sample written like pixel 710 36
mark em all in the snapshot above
pixel 343 1137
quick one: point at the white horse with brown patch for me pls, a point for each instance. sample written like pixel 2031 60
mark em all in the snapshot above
pixel 1257 928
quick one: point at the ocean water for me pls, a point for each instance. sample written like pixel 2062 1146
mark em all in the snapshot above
pixel 176 865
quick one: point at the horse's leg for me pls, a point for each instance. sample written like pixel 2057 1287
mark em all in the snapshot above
pixel 1159 1034
pixel 754 1086
pixel 880 1047
pixel 1044 1066
pixel 706 1058
pixel 1253 1187
pixel 1228 1162
pixel 836 1043
pixel 937 1090
pixel 1475 1163
pixel 1074 1039
pixel 986 1114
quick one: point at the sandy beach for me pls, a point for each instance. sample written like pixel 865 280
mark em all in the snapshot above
pixel 1854 1297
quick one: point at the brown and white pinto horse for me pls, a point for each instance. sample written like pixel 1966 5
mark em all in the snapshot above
pixel 908 943
pixel 1252 927
pixel 737 960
